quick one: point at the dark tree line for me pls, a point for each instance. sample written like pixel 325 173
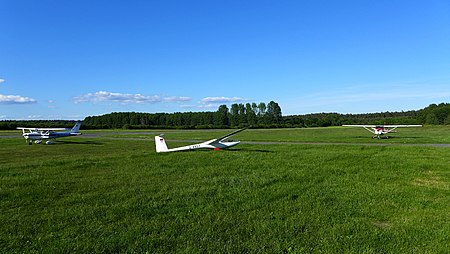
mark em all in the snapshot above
pixel 239 115
pixel 335 119
pixel 12 125
pixel 435 114
pixel 253 115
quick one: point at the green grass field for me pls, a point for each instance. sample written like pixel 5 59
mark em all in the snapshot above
pixel 112 193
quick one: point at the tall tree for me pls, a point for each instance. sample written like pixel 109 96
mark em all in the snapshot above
pixel 255 108
pixel 234 119
pixel 261 109
pixel 242 115
pixel 221 116
pixel 274 112
pixel 251 116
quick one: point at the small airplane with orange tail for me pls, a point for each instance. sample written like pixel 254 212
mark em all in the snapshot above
pixel 381 130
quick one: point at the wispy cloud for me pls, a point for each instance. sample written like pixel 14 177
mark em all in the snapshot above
pixel 368 98
pixel 219 100
pixel 212 103
pixel 15 99
pixel 34 117
pixel 126 98
pixel 1 80
pixel 103 96
pixel 383 96
pixel 207 106
pixel 61 117
pixel 177 99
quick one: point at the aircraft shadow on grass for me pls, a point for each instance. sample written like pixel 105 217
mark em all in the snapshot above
pixel 230 150
pixel 65 142
pixel 249 150
pixel 390 137
pixel 409 137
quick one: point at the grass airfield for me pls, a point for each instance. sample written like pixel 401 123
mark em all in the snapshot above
pixel 109 191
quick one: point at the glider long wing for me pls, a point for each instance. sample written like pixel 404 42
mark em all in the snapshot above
pixel 217 143
pixel 217 140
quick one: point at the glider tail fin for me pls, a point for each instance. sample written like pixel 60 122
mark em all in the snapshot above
pixel 160 144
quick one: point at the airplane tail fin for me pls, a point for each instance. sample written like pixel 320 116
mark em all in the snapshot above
pixel 160 144
pixel 76 128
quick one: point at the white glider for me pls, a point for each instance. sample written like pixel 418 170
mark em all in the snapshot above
pixel 381 130
pixel 216 144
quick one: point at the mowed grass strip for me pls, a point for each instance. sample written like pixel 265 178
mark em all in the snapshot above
pixel 413 135
pixel 104 195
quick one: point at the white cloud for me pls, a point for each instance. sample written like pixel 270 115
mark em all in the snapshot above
pixel 126 98
pixel 208 106
pixel 59 117
pixel 34 117
pixel 218 100
pixel 177 99
pixel 212 103
pixel 15 99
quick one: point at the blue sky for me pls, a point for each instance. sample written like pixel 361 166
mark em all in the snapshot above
pixel 72 59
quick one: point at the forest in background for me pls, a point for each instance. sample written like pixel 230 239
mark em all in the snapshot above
pixel 251 115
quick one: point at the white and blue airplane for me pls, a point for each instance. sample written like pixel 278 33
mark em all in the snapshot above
pixel 48 134
pixel 216 144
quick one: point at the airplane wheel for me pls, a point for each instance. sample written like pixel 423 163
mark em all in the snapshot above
pixel 30 143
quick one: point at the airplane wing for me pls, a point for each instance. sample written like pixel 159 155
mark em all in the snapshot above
pixel 367 127
pixel 385 126
pixel 360 125
pixel 217 140
pixel 42 129
pixel 402 126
